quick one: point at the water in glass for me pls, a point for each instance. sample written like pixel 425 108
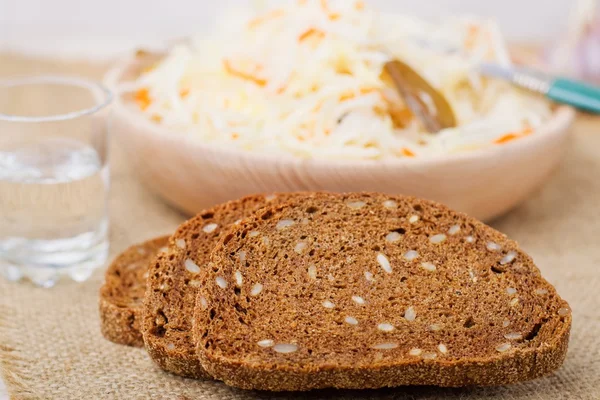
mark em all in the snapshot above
pixel 54 186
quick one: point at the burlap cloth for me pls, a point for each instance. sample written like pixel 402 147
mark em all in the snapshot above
pixel 50 342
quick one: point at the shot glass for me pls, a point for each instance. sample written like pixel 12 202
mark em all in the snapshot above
pixel 54 178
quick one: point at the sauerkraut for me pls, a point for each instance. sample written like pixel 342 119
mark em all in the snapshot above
pixel 305 79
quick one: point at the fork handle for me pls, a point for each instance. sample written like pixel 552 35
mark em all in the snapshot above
pixel 575 93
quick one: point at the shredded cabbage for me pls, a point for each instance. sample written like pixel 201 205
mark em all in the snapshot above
pixel 304 79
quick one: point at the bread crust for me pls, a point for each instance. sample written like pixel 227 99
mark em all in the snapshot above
pixel 120 311
pixel 237 367
pixel 502 370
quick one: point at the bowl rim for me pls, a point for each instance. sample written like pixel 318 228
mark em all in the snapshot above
pixel 556 126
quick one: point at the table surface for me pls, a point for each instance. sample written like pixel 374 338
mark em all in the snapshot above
pixel 3 394
pixel 567 204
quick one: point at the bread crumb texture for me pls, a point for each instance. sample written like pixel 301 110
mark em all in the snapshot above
pixel 367 291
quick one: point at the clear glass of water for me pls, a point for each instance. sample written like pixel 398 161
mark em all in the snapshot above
pixel 54 178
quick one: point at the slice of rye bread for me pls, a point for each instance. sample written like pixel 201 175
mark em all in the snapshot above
pixel 369 290
pixel 122 295
pixel 172 283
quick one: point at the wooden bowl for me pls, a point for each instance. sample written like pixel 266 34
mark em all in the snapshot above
pixel 193 176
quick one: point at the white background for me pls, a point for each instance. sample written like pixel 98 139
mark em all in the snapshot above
pixel 99 28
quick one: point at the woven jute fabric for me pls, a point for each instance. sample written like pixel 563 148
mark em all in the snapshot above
pixel 50 341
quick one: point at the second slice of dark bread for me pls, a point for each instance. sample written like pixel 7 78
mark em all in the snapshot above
pixel 173 282
pixel 122 295
pixel 370 290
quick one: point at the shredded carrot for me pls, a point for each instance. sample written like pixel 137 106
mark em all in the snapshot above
pixel 283 87
pixel 308 127
pixel 472 36
pixel 380 111
pixel 513 135
pixel 347 95
pixel 142 98
pixel 350 94
pixel 359 5
pixel 281 90
pixel 341 66
pixel 310 32
pixel 506 138
pixel 406 152
pixel 235 136
pixel 318 107
pixel 286 84
pixel 149 68
pixel 490 47
pixel 264 18
pixel 243 75
pixel 331 15
pixel 156 118
pixel 301 2
pixel 327 132
pixel 368 89
pixel 184 92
